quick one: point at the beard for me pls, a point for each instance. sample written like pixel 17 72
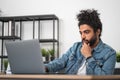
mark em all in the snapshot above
pixel 91 42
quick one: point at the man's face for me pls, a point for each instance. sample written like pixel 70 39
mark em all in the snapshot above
pixel 88 35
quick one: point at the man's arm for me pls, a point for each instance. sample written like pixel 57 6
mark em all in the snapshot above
pixel 60 63
pixel 95 67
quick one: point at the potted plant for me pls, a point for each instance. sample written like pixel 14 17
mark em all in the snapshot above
pixel 117 59
pixel 118 56
pixel 5 64
pixel 52 53
pixel 45 54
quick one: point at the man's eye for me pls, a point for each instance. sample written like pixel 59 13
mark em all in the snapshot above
pixel 86 32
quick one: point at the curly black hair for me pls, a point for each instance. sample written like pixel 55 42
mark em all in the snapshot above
pixel 91 18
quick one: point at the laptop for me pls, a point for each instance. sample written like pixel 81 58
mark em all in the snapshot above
pixel 25 57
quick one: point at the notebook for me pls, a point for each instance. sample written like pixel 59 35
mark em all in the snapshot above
pixel 25 57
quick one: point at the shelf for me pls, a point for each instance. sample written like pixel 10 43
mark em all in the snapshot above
pixel 3 56
pixel 9 37
pixel 28 18
pixel 11 25
pixel 48 40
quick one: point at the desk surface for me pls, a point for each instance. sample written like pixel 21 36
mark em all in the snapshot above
pixel 59 77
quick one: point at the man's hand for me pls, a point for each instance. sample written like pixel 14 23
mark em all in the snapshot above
pixel 86 50
pixel 46 69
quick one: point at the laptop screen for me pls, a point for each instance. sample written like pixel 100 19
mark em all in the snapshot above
pixel 25 57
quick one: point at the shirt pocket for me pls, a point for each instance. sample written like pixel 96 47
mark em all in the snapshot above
pixel 100 62
pixel 70 63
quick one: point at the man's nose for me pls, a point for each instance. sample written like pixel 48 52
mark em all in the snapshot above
pixel 83 36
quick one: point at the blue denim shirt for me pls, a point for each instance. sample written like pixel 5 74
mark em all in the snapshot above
pixel 102 61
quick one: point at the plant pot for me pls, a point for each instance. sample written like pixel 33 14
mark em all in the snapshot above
pixel 117 65
pixel 43 58
pixel 47 58
pixel 52 58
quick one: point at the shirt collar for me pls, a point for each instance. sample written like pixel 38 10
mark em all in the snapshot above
pixel 99 47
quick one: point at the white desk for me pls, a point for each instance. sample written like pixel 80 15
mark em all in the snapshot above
pixel 58 77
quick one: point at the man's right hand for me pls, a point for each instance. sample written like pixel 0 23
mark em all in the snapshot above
pixel 86 50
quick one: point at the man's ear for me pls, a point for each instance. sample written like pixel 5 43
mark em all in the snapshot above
pixel 98 32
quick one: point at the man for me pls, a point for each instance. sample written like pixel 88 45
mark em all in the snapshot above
pixel 89 57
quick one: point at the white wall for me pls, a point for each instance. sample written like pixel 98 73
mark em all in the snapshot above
pixel 67 10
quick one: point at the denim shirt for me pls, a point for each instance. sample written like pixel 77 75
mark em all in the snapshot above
pixel 102 61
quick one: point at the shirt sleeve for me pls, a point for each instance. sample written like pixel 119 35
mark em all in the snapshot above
pixel 102 67
pixel 60 63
